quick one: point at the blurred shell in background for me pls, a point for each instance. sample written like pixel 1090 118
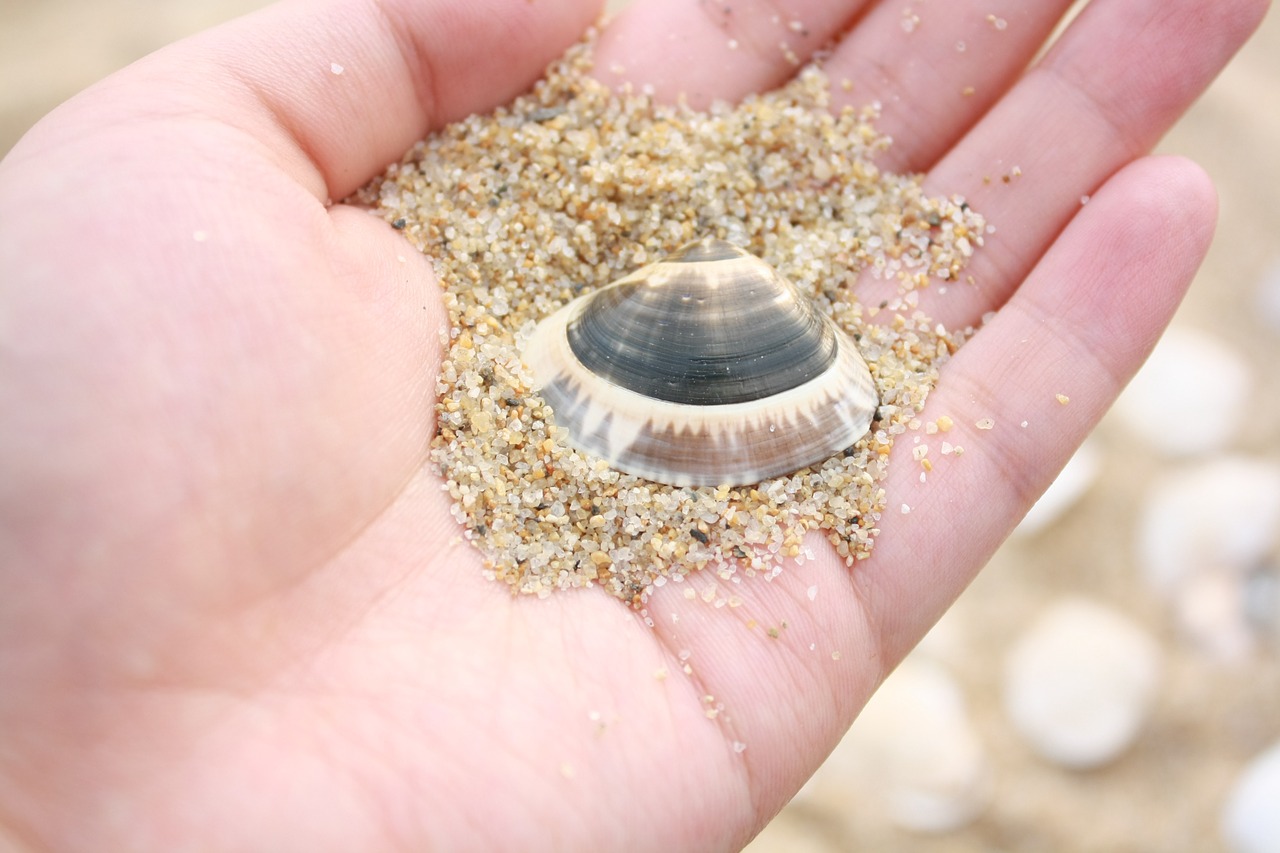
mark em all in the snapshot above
pixel 1268 296
pixel 1079 684
pixel 912 753
pixel 1251 819
pixel 1207 540
pixel 1190 396
pixel 1071 484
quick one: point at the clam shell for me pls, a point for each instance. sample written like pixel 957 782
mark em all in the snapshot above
pixel 707 368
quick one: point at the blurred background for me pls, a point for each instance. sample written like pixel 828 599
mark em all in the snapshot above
pixel 1112 679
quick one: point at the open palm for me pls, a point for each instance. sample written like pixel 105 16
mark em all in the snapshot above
pixel 235 612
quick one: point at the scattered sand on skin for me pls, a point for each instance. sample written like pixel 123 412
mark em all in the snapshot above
pixel 572 186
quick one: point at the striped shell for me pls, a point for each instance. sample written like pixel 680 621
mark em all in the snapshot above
pixel 707 368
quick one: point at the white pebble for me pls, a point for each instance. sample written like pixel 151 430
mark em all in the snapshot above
pixel 1202 532
pixel 1080 682
pixel 1251 817
pixel 1189 396
pixel 912 753
pixel 1065 491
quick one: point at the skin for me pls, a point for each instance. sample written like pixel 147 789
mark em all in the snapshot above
pixel 235 613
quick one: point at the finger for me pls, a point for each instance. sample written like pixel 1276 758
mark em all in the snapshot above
pixel 934 69
pixel 716 50
pixel 781 667
pixel 337 90
pixel 1080 327
pixel 1119 77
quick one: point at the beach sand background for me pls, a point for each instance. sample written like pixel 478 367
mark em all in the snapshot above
pixel 1211 714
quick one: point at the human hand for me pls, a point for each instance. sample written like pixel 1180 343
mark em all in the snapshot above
pixel 234 614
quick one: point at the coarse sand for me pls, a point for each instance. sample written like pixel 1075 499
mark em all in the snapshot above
pixel 572 186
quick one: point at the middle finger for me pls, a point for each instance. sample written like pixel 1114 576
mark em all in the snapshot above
pixel 934 69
